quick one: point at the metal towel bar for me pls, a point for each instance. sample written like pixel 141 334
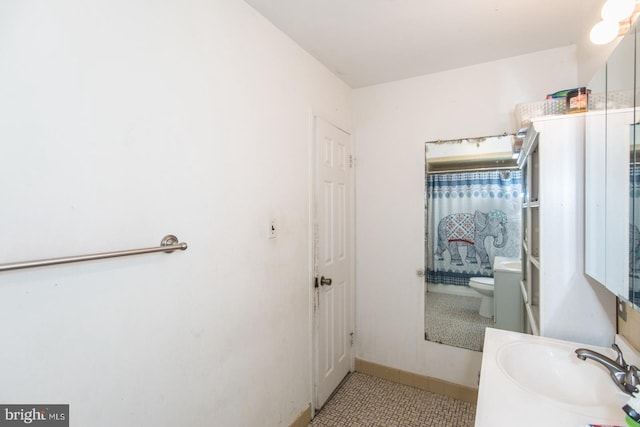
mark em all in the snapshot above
pixel 169 244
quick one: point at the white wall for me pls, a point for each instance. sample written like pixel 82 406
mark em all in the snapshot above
pixel 122 121
pixel 393 121
pixel 592 57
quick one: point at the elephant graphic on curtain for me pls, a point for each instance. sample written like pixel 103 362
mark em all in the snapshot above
pixel 634 251
pixel 471 230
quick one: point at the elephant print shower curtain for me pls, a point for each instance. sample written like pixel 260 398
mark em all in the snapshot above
pixel 471 218
pixel 634 236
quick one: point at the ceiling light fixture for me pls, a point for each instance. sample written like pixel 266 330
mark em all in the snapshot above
pixel 614 12
pixel 617 10
pixel 604 32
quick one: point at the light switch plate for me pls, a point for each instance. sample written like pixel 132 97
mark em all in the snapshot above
pixel 622 308
pixel 272 230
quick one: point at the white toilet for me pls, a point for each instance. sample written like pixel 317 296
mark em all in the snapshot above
pixel 484 286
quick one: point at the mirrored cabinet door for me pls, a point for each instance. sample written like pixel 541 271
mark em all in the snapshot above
pixel 609 179
pixel 634 190
pixel 595 167
pixel 619 124
pixel 634 225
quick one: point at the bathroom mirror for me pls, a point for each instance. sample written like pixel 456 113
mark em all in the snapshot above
pixel 472 215
pixel 611 232
pixel 634 235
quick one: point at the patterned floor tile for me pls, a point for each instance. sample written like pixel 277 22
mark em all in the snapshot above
pixel 366 401
pixel 454 320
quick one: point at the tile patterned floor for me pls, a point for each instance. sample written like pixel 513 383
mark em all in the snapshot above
pixel 366 401
pixel 455 320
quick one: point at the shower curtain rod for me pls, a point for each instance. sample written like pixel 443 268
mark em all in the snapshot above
pixel 474 139
pixel 497 168
pixel 169 244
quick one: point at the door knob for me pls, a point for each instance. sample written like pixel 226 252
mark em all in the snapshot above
pixel 325 281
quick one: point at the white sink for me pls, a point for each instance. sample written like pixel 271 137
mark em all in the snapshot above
pixel 512 265
pixel 534 381
pixel 507 264
pixel 552 370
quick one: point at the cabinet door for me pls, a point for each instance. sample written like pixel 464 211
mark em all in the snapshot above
pixel 634 227
pixel 595 185
pixel 619 131
pixel 620 94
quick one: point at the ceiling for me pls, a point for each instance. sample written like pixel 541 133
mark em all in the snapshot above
pixel 366 42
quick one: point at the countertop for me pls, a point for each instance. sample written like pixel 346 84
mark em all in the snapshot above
pixel 504 402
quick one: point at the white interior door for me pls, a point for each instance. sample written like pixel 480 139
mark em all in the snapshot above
pixel 334 261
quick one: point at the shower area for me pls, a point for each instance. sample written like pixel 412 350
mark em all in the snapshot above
pixel 472 214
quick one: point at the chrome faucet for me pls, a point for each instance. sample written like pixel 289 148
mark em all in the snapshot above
pixel 625 376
